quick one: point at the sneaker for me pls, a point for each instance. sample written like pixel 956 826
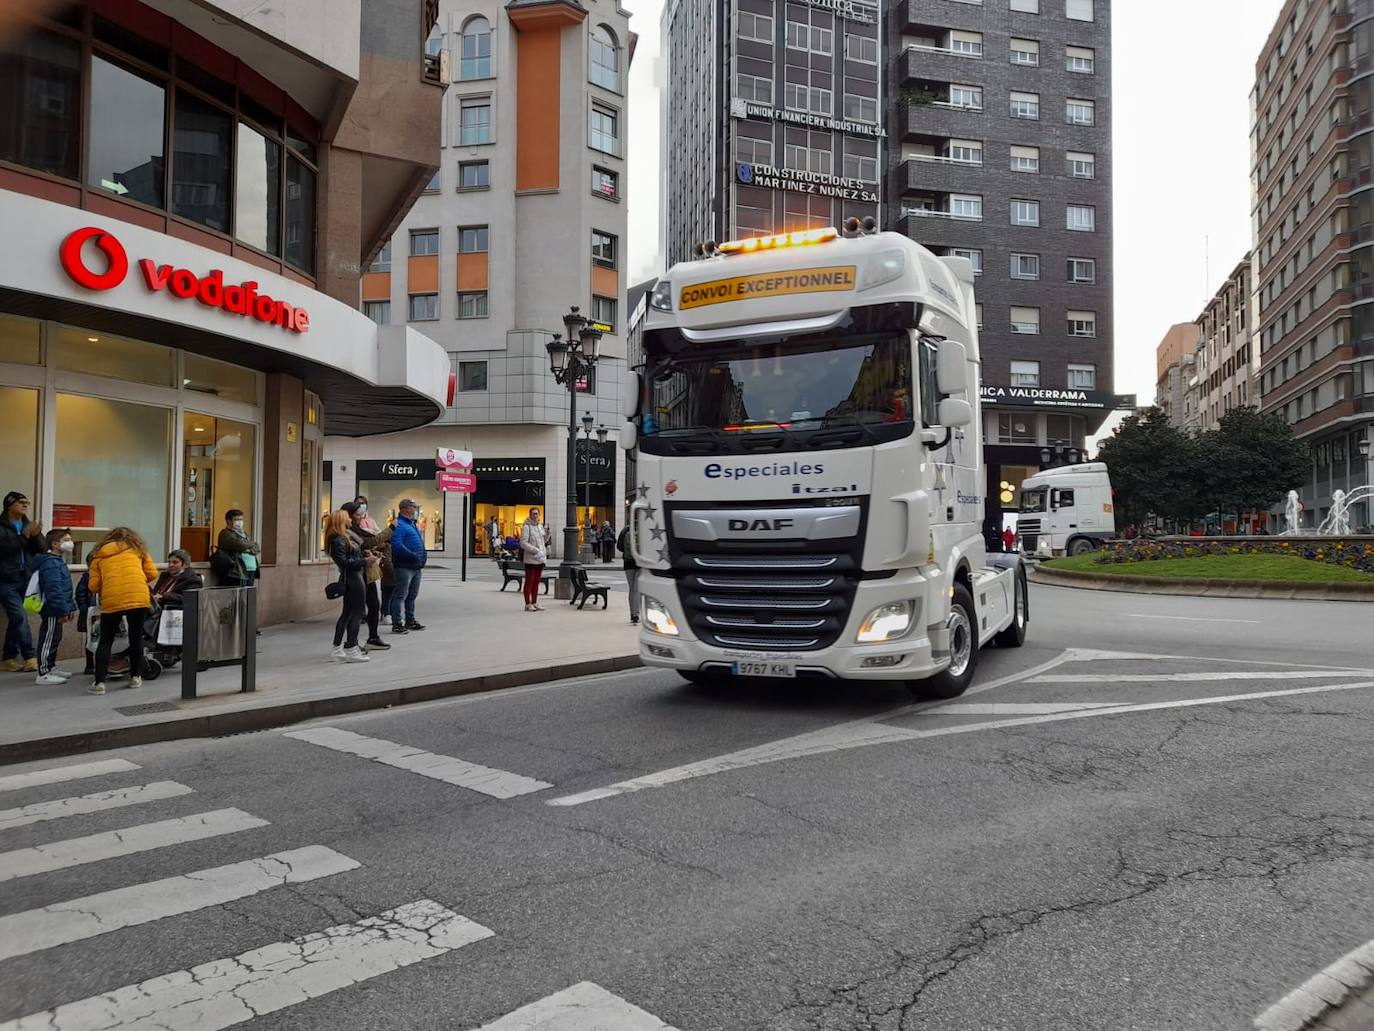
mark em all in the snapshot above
pixel 30 665
pixel 337 653
pixel 356 655
pixel 634 621
pixel 12 666
pixel 378 643
pixel 96 689
pixel 63 673
pixel 412 625
pixel 135 682
pixel 50 678
pixel 396 628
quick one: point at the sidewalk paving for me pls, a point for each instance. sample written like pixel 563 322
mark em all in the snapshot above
pixel 477 639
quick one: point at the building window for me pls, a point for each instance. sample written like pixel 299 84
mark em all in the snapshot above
pixel 1082 377
pixel 1024 6
pixel 474 120
pixel 1017 427
pixel 968 152
pixel 1025 266
pixel 861 166
pixel 756 27
pixel 219 459
pixel 809 151
pixel 809 38
pixel 966 206
pixel 1025 321
pixel 257 196
pixel 475 61
pixel 755 88
pixel 1025 212
pixel 424 241
pixel 202 141
pixel 1082 324
pixel 472 375
pixel 378 311
pixel 605 129
pixel 751 151
pixel 474 175
pixel 970 97
pixel 974 256
pixel 603 311
pixel 805 211
pixel 970 44
pixel 817 100
pixel 605 183
pixel 978 313
pixel 1025 159
pixel 1025 374
pixel 1078 10
pixel 472 305
pixel 41 127
pixel 125 152
pixel 861 48
pixel 1025 51
pixel 603 248
pixel 1081 218
pixel 383 260
pixel 473 239
pixel 605 59
pixel 1025 105
pixel 1082 270
pixel 1082 166
pixel 1079 112
pixel 424 307
pixel 435 181
pixel 1079 59
pixel 860 109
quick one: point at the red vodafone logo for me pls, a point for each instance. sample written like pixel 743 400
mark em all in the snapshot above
pixel 241 299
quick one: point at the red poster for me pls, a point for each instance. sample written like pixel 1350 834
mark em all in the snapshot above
pixel 73 516
pixel 463 483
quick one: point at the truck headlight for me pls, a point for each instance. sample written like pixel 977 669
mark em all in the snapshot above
pixel 662 297
pixel 887 622
pixel 657 618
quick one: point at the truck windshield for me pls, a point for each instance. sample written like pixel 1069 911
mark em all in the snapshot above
pixel 794 390
pixel 1032 500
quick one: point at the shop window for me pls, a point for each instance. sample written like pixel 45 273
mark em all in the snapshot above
pixel 384 497
pixel 300 214
pixel 40 108
pixel 97 354
pixel 311 516
pixel 112 468
pixel 219 462
pixel 1016 428
pixel 128 129
pixel 220 379
pixel 257 195
pixel 20 341
pixel 201 144
pixel 19 456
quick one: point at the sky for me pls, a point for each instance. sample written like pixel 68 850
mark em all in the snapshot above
pixel 1182 75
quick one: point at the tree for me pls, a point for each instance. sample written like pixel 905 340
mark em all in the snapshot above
pixel 1153 468
pixel 1261 459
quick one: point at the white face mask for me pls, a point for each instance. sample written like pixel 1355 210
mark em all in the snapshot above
pixel 362 509
pixel 68 546
pixel 238 525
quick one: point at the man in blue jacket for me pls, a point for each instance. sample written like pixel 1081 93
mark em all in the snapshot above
pixel 408 555
pixel 59 603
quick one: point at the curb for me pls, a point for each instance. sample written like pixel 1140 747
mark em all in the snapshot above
pixel 244 721
pixel 1203 587
pixel 1322 994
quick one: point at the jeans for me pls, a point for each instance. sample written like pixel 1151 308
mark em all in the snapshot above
pixel 632 578
pixel 351 616
pixel 49 637
pixel 18 637
pixel 407 587
pixel 109 624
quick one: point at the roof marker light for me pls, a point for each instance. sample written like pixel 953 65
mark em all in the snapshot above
pixel 801 238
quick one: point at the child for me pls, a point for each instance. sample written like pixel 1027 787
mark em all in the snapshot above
pixel 83 606
pixel 59 604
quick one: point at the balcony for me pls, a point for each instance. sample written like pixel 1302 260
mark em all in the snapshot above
pixel 921 117
pixel 914 16
pixel 937 175
pixel 938 63
pixel 938 207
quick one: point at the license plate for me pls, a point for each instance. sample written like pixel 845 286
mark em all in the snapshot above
pixel 752 668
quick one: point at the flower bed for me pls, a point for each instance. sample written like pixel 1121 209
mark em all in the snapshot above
pixel 1349 553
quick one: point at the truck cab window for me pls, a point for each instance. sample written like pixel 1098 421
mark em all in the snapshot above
pixel 1063 498
pixel 929 354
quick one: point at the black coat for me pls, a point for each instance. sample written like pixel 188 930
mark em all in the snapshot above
pixel 169 587
pixel 17 553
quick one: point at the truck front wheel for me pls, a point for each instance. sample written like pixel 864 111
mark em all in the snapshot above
pixel 1081 546
pixel 963 651
pixel 1015 634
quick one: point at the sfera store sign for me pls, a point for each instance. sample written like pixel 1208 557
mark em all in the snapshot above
pixel 806 182
pixel 242 299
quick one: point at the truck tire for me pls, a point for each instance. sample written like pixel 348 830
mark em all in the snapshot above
pixel 1081 546
pixel 963 646
pixel 1015 634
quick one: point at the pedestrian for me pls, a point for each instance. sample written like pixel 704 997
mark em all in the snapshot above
pixel 176 580
pixel 351 562
pixel 84 603
pixel 235 560
pixel 1008 539
pixel 408 555
pixel 631 573
pixel 364 520
pixel 534 552
pixel 605 541
pixel 121 570
pixel 20 543
pixel 59 603
pixel 493 536
pixel 372 576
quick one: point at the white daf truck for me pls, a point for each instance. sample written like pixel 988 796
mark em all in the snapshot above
pixel 809 475
pixel 1067 510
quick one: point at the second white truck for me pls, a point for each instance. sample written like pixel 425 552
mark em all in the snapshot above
pixel 1067 510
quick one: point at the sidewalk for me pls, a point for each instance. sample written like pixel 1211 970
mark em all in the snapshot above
pixel 477 639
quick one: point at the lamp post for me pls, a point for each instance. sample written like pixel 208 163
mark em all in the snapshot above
pixel 570 360
pixel 1366 446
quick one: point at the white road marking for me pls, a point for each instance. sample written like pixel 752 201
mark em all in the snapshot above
pixel 1195 677
pixel 230 991
pixel 1307 1003
pixel 37 812
pixel 1193 619
pixel 583 1007
pixel 496 783
pixel 835 739
pixel 25 862
pixel 58 774
pixel 78 919
pixel 1015 708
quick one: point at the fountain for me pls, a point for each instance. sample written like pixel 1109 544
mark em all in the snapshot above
pixel 1292 516
pixel 1337 524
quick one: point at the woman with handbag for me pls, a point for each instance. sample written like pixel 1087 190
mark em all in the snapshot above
pixel 120 571
pixel 351 562
pixel 368 541
pixel 532 547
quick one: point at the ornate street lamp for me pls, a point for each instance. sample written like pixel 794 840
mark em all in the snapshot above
pixel 571 361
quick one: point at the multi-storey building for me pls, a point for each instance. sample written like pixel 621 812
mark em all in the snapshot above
pixel 1001 153
pixel 524 219
pixel 1175 357
pixel 1312 150
pixel 188 189
pixel 772 117
pixel 1226 362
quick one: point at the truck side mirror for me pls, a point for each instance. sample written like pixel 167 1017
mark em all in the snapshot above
pixel 629 435
pixel 634 386
pixel 955 412
pixel 951 369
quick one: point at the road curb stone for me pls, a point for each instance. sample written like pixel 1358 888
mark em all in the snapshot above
pixel 1203 587
pixel 1338 998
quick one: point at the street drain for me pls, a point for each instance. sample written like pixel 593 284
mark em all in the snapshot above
pixel 139 710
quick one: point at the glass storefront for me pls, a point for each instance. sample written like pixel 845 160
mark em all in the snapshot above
pixel 218 467
pixel 386 483
pixel 507 488
pixel 19 456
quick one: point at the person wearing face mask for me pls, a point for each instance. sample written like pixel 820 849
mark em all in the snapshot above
pixel 362 519
pixel 59 603
pixel 236 559
pixel 176 580
pixel 20 543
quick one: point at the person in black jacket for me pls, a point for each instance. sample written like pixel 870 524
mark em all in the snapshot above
pixel 21 542
pixel 176 580
pixel 350 561
pixel 631 573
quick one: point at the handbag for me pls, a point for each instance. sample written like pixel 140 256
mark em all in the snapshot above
pixel 221 564
pixel 170 626
pixel 335 590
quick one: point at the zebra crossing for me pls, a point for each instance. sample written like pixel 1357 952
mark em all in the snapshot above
pixel 267 978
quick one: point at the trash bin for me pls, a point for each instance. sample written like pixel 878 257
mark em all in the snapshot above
pixel 223 613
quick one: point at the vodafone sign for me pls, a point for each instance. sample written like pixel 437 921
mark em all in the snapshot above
pixel 242 299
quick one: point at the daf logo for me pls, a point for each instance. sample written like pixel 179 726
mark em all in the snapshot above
pixel 750 525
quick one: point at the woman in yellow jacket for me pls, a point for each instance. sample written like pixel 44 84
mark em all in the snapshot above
pixel 120 572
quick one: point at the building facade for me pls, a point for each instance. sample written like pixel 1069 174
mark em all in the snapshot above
pixel 1175 358
pixel 772 117
pixel 1000 152
pixel 1312 150
pixel 187 191
pixel 524 219
pixel 1227 365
